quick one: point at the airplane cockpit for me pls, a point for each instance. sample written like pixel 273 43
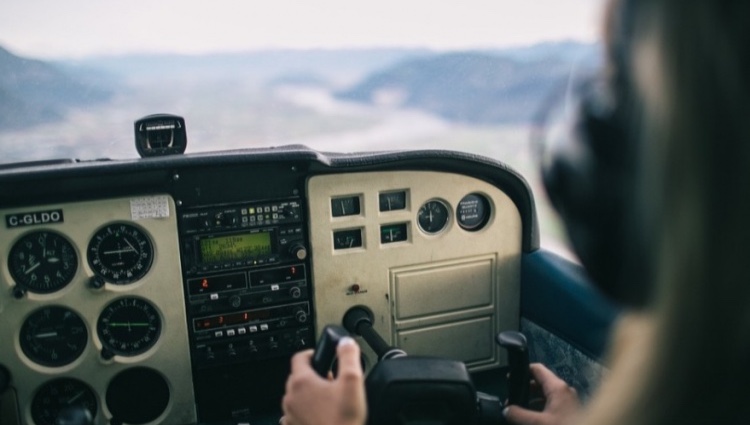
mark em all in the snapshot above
pixel 174 289
pixel 383 193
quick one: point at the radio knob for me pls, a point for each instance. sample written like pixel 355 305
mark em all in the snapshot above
pixel 229 219
pixel 295 292
pixel 288 211
pixel 301 316
pixel 235 301
pixel 298 251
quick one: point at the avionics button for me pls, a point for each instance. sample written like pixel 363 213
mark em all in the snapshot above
pixel 230 332
pixel 241 331
pixel 253 329
pixel 264 327
pixel 219 334
pixel 214 297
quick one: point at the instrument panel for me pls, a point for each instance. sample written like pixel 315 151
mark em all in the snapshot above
pixel 441 262
pixel 184 305
pixel 89 298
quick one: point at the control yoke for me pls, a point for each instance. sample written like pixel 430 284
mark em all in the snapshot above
pixel 518 363
pixel 406 390
pixel 325 351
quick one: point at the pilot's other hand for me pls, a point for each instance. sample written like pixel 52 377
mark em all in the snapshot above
pixel 312 400
pixel 561 404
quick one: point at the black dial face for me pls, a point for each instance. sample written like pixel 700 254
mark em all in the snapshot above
pixel 128 326
pixel 53 336
pixel 120 253
pixel 392 233
pixel 346 239
pixel 56 395
pixel 473 212
pixel 392 201
pixel 341 207
pixel 433 216
pixel 43 262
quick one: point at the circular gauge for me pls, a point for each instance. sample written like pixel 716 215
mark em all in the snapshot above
pixel 473 212
pixel 433 216
pixel 55 396
pixel 128 326
pixel 53 336
pixel 120 253
pixel 42 262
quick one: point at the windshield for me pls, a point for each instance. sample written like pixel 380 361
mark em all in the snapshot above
pixel 334 75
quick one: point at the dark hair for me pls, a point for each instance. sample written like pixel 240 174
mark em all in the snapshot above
pixel 690 64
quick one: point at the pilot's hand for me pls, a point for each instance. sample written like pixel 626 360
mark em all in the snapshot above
pixel 561 404
pixel 312 400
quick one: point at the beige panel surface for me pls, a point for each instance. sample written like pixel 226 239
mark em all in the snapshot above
pixel 442 288
pixel 374 266
pixel 454 340
pixel 162 286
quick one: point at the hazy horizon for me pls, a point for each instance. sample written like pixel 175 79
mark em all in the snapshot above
pixel 73 29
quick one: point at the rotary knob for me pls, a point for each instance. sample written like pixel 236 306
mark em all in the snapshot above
pixel 295 292
pixel 298 251
pixel 301 316
pixel 288 211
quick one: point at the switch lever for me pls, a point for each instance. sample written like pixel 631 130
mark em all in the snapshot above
pixel 518 364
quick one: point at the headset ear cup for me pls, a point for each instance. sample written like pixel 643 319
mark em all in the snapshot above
pixel 589 180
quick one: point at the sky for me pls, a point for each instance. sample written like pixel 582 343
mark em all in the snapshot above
pixel 79 28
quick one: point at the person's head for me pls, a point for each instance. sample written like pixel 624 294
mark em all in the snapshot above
pixel 686 67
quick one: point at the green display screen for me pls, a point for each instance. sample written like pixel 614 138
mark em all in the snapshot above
pixel 235 247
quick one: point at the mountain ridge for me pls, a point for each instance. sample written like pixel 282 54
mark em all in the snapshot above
pixel 472 87
pixel 34 92
pixel 482 86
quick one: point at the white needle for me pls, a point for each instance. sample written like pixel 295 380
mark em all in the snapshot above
pixel 118 251
pixel 75 397
pixel 32 268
